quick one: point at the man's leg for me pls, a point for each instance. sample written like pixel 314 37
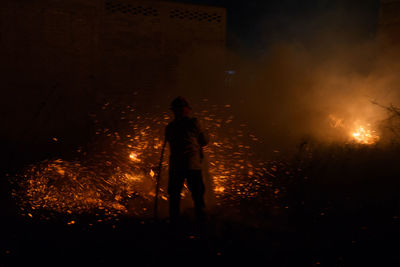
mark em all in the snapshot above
pixel 175 185
pixel 196 187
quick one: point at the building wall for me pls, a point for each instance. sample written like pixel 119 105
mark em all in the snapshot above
pixel 389 22
pixel 93 39
pixel 62 58
pixel 145 39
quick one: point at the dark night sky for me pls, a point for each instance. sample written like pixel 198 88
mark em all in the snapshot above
pixel 254 24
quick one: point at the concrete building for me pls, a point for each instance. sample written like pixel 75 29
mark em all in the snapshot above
pixel 61 58
pixel 389 22
pixel 103 40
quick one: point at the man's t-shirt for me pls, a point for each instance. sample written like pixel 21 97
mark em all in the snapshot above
pixel 186 140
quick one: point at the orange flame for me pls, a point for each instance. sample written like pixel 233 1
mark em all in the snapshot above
pixel 363 135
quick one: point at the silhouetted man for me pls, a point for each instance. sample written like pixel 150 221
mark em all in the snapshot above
pixel 186 139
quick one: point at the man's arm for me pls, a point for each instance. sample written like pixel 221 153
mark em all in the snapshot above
pixel 203 136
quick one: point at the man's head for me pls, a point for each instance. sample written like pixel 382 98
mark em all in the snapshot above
pixel 180 107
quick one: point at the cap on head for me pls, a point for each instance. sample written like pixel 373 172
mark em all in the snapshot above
pixel 179 103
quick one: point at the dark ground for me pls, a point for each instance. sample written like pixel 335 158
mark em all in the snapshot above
pixel 340 241
pixel 346 213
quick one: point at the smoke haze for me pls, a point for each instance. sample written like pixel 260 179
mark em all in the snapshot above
pixel 315 88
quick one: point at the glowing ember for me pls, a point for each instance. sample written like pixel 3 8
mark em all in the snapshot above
pixel 119 178
pixel 70 187
pixel 219 189
pixel 134 157
pixel 364 135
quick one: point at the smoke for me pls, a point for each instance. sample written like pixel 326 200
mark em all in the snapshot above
pixel 295 89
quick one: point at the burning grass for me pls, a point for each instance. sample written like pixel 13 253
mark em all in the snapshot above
pixel 364 135
pixel 358 132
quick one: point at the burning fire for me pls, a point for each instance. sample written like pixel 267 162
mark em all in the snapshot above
pixel 364 135
pixel 361 133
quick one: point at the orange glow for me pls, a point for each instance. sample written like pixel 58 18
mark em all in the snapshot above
pixel 134 157
pixel 364 135
pixel 219 189
pixel 60 170
pixel 121 180
pixel 361 133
